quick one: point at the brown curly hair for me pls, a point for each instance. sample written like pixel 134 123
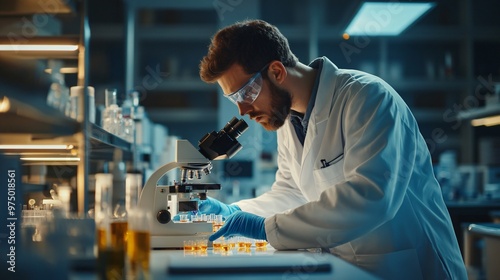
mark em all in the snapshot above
pixel 250 43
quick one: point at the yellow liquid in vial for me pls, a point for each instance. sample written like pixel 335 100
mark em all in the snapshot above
pixel 217 246
pixel 203 248
pixel 241 244
pixel 260 244
pixel 138 250
pixel 225 247
pixel 248 245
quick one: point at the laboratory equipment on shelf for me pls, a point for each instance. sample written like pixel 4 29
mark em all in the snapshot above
pixel 111 117
pixel 164 202
pixel 58 95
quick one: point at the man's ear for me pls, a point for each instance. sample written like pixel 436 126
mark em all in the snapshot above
pixel 277 72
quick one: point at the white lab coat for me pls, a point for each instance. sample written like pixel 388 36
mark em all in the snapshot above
pixel 378 205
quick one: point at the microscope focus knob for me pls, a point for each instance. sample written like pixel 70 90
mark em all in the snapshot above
pixel 163 216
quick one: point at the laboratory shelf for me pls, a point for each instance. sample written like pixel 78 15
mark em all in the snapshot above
pixel 34 117
pixel 8 8
pixel 100 137
pixel 44 40
pixel 43 123
pixel 479 112
pixel 103 144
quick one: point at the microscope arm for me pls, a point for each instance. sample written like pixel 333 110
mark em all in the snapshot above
pixel 148 192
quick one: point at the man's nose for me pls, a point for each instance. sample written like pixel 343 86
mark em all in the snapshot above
pixel 244 108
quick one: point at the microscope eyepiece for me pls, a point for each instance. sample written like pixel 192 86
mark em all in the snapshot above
pixel 223 144
pixel 235 127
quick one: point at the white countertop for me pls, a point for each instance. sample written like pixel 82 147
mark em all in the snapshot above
pixel 254 264
pixel 261 264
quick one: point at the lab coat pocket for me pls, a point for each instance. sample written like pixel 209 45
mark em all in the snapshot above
pixel 392 265
pixel 330 175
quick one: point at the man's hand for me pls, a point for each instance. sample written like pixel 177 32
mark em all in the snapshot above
pixel 213 206
pixel 244 224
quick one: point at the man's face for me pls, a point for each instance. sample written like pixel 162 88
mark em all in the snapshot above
pixel 272 105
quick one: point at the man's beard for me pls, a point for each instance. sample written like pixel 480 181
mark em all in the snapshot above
pixel 281 103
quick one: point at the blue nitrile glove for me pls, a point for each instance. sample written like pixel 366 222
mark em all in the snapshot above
pixel 213 206
pixel 244 224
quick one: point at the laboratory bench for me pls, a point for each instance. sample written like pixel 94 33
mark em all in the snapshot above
pixel 255 263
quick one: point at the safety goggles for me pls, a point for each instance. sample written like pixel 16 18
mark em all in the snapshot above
pixel 249 91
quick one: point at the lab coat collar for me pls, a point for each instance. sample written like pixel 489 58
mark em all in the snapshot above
pixel 322 108
pixel 319 114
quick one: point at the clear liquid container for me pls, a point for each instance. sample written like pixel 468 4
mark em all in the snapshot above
pixel 112 116
pixel 128 124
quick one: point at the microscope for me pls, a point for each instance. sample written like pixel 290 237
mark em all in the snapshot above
pixel 164 202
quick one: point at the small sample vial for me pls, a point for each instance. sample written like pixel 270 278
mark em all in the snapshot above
pixel 260 243
pixel 189 245
pixel 217 245
pixel 217 223
pixel 183 218
pixel 202 244
pixel 224 247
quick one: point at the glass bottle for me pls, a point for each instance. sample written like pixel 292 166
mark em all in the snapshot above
pixel 128 124
pixel 58 95
pixel 111 117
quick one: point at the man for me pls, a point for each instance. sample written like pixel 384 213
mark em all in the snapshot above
pixel 354 173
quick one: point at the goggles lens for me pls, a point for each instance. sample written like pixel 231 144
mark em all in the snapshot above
pixel 249 92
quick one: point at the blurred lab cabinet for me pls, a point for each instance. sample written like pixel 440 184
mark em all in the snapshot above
pixel 41 138
pixel 52 146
